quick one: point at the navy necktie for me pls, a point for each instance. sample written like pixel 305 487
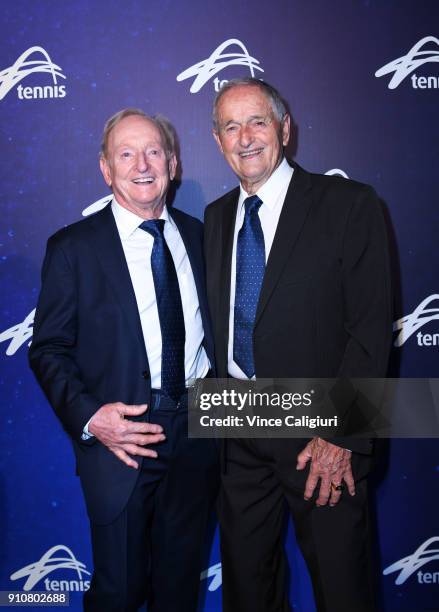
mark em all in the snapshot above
pixel 250 268
pixel 170 311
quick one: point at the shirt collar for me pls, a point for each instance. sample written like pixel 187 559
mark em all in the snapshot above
pixel 127 222
pixel 270 190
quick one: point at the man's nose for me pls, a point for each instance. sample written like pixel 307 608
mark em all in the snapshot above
pixel 245 136
pixel 142 162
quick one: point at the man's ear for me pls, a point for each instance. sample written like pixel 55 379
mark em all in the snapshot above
pixel 172 165
pixel 218 140
pixel 286 128
pixel 105 169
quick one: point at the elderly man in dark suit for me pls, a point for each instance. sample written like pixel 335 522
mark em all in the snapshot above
pixel 121 326
pixel 302 263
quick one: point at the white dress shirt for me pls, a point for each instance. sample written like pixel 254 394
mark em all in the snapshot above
pixel 137 246
pixel 272 193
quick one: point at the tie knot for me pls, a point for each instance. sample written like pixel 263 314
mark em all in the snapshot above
pixel 154 227
pixel 252 203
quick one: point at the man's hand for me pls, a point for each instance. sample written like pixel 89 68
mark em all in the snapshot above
pixel 329 463
pixel 124 437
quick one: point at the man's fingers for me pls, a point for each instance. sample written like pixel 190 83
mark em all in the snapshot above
pixel 123 436
pixel 123 453
pixel 124 457
pixel 311 483
pixel 331 465
pixel 350 482
pixel 131 427
pixel 350 485
pixel 302 458
pixel 132 410
pixel 335 496
pixel 133 449
pixel 324 492
pixel 143 439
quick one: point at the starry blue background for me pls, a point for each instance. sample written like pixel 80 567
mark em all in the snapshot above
pixel 322 56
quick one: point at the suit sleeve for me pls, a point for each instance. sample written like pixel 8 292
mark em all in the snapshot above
pixel 53 348
pixel 366 290
pixel 366 297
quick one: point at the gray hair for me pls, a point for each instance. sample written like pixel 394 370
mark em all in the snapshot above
pixel 164 126
pixel 273 96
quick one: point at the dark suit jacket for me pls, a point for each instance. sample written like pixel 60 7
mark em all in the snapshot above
pixel 88 347
pixel 325 303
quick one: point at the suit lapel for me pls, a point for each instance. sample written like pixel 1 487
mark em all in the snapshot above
pixel 226 227
pixel 227 232
pixel 292 218
pixel 109 251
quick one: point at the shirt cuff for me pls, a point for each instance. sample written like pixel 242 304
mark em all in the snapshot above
pixel 86 435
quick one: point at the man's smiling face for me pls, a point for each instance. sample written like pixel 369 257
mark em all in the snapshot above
pixel 137 167
pixel 250 136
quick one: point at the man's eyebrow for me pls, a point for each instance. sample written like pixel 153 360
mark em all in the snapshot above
pixel 259 116
pixel 126 145
pixel 123 145
pixel 248 119
pixel 229 122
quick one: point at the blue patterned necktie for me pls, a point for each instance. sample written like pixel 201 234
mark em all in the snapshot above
pixel 250 268
pixel 170 310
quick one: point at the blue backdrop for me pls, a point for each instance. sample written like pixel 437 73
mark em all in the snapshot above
pixel 362 80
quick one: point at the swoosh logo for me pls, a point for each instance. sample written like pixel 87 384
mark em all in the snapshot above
pixel 214 572
pixel 422 315
pixel 18 334
pixel 336 172
pixel 96 206
pixel 403 66
pixel 23 67
pixel 48 564
pixel 206 69
pixel 410 564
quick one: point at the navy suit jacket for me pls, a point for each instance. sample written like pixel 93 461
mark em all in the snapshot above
pixel 88 347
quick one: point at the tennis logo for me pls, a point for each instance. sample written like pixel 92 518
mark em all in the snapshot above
pixel 426 312
pixel 18 334
pixel 426 553
pixel 57 558
pixel 205 70
pixel 34 60
pixel 215 574
pixel 425 51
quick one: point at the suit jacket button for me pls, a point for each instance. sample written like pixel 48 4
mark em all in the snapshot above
pixel 145 374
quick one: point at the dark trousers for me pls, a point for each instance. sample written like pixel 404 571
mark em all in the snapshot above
pixel 259 481
pixel 153 551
